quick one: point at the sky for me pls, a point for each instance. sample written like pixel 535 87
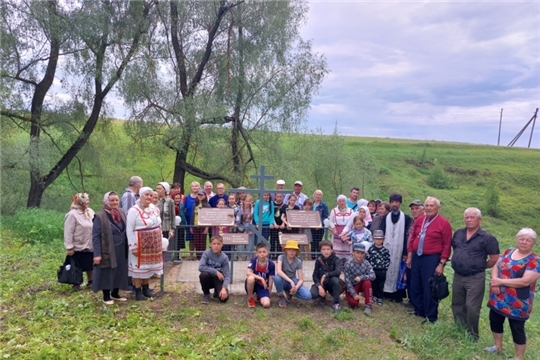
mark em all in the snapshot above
pixel 427 70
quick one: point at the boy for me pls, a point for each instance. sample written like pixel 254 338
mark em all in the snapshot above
pixel 326 275
pixel 215 273
pixel 289 277
pixel 379 258
pixel 260 276
pixel 358 276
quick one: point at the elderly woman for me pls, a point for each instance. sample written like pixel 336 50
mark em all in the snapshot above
pixel 145 258
pixel 339 217
pixel 110 250
pixel 78 234
pixel 318 234
pixel 511 293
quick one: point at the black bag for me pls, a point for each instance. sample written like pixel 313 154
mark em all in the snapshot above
pixel 439 288
pixel 70 272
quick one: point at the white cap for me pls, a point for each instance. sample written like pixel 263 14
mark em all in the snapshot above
pixel 298 182
pixel 280 182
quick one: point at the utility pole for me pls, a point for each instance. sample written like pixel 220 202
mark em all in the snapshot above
pixel 534 121
pixel 500 123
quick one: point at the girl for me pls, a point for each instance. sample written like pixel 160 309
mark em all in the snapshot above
pixel 199 232
pixel 277 228
pixel 290 206
pixel 360 234
pixel 244 224
pixel 189 206
pixel 180 217
pixel 305 248
pixel 219 230
pixel 267 215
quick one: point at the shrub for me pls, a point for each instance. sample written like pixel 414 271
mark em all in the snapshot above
pixel 439 179
pixel 492 201
pixel 36 225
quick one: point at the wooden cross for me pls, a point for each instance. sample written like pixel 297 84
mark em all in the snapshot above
pixel 261 191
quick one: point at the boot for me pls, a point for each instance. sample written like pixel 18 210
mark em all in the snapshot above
pixel 139 294
pixel 147 292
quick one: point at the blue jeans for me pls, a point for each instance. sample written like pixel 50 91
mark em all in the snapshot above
pixel 281 285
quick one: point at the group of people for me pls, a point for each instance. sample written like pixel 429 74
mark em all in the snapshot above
pixel 377 249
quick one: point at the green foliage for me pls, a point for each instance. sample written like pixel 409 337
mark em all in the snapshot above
pixel 439 179
pixel 492 201
pixel 345 314
pixel 305 323
pixel 36 225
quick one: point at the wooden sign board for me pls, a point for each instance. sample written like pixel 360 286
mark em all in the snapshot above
pixel 300 238
pixel 303 219
pixel 235 239
pixel 215 217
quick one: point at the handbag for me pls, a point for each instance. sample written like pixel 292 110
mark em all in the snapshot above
pixel 342 284
pixel 70 272
pixel 402 276
pixel 439 288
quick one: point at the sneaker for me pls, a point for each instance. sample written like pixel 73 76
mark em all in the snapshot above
pixel 282 303
pixel 336 308
pixel 379 301
pixel 108 302
pixel 374 299
pixel 251 302
pixel 205 299
pixel 367 310
pixel 121 298
pixel 288 296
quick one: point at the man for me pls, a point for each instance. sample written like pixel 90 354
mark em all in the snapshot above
pixel 395 226
pixel 353 202
pixel 428 252
pixel 208 187
pixel 300 197
pixel 131 193
pixel 280 185
pixel 220 188
pixel 472 246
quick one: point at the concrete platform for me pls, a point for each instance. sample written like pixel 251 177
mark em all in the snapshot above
pixel 189 273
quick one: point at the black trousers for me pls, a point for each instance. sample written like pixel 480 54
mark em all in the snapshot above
pixel 496 322
pixel 378 284
pixel 332 285
pixel 211 281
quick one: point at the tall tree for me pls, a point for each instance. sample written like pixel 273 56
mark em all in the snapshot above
pixel 85 47
pixel 217 74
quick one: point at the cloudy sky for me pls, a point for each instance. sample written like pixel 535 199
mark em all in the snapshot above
pixel 428 70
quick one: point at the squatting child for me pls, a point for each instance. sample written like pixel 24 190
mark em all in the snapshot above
pixel 260 276
pixel 215 273
pixel 358 277
pixel 326 275
pixel 289 277
pixel 379 258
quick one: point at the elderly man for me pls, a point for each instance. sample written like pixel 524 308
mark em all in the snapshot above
pixel 300 196
pixel 475 250
pixel 353 202
pixel 395 226
pixel 131 193
pixel 220 194
pixel 280 185
pixel 428 252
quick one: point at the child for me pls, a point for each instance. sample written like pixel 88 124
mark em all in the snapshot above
pixel 267 215
pixel 220 204
pixel 215 273
pixel 379 258
pixel 358 276
pixel 359 235
pixel 199 232
pixel 289 277
pixel 244 223
pixel 291 205
pixel 278 226
pixel 260 276
pixel 307 206
pixel 326 275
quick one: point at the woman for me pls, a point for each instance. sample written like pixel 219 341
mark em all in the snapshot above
pixel 145 257
pixel 372 206
pixel 180 214
pixel 339 217
pixel 78 234
pixel 166 209
pixel 318 234
pixel 189 205
pixel 366 215
pixel 511 292
pixel 382 210
pixel 199 232
pixel 110 250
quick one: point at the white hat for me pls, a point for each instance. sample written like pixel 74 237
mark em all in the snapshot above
pixel 298 182
pixel 144 190
pixel 166 186
pixel 280 182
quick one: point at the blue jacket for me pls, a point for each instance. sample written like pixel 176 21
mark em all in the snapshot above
pixel 323 210
pixel 267 215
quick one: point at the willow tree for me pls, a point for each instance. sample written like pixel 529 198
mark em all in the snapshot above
pixel 217 77
pixel 85 46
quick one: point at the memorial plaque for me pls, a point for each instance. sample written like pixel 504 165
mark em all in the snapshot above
pixel 303 219
pixel 235 238
pixel 215 217
pixel 300 238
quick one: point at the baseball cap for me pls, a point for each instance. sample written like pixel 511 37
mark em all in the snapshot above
pixel 280 182
pixel 416 202
pixel 298 182
pixel 359 247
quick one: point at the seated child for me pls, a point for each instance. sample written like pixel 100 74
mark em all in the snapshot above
pixel 359 235
pixel 379 258
pixel 260 276
pixel 358 277
pixel 326 275
pixel 289 277
pixel 215 273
